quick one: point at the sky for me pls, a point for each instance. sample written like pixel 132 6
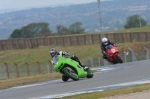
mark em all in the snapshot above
pixel 15 4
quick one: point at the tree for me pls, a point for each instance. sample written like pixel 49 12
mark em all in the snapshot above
pixel 135 21
pixel 76 28
pixel 31 30
pixel 16 34
pixel 61 30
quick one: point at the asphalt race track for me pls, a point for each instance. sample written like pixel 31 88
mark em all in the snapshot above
pixel 108 75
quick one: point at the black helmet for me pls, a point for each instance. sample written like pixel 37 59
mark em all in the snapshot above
pixel 53 52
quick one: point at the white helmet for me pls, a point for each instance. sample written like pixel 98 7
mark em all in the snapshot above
pixel 105 41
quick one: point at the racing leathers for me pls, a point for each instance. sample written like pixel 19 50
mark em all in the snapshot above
pixel 103 48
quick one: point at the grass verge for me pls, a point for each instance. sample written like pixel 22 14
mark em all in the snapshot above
pixel 7 83
pixel 108 93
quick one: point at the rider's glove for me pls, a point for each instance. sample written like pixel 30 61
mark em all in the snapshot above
pixel 66 54
pixel 115 45
pixel 105 53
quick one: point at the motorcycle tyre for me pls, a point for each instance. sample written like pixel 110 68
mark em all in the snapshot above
pixel 119 60
pixel 89 74
pixel 67 73
pixel 65 78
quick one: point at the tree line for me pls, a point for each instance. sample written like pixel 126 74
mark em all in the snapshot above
pixel 42 29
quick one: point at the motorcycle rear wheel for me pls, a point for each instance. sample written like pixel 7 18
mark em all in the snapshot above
pixel 89 74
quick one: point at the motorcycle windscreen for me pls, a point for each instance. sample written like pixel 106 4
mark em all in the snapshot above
pixel 111 50
pixel 109 47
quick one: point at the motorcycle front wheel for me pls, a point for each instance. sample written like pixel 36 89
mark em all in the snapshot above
pixel 118 59
pixel 65 78
pixel 69 72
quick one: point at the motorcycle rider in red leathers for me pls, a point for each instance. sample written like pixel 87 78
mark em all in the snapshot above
pixel 105 42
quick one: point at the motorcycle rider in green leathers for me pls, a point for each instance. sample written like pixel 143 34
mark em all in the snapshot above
pixel 54 52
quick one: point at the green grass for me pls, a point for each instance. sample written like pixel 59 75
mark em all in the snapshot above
pixel 142 29
pixel 42 54
pixel 12 82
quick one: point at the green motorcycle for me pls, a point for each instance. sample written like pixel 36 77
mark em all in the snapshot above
pixel 70 68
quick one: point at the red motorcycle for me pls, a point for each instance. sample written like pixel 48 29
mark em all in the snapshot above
pixel 113 54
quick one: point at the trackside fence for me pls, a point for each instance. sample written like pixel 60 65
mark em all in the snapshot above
pixel 16 70
pixel 73 40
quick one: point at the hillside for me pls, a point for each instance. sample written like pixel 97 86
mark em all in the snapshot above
pixel 113 17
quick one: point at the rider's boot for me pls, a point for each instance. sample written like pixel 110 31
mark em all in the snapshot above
pixel 84 66
pixel 77 59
